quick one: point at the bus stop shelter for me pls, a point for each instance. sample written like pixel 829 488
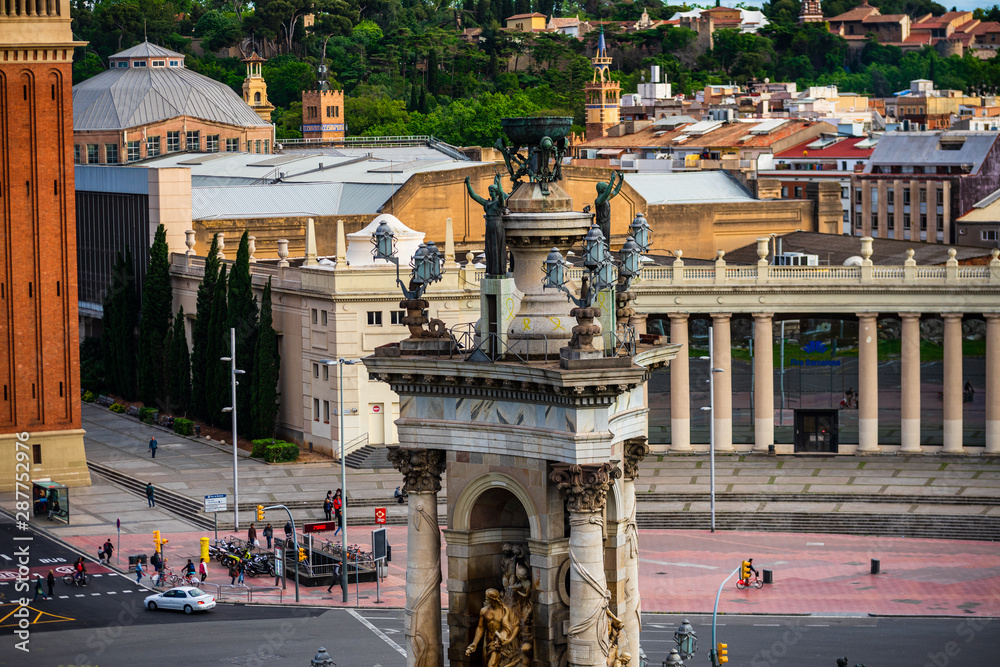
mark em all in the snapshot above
pixel 51 499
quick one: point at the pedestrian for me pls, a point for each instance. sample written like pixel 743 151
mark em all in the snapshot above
pixel 268 534
pixel 338 506
pixel 154 560
pixel 242 569
pixel 327 509
pixel 203 569
pixel 233 573
pixel 139 572
pixel 189 570
pixel 152 446
pixel 398 495
pixel 335 580
pixel 38 588
pixel 51 581
pixel 252 536
pixel 968 392
pixel 109 549
pixel 149 494
pixel 288 530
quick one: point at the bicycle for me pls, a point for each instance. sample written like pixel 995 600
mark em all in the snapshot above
pixel 756 582
pixel 73 579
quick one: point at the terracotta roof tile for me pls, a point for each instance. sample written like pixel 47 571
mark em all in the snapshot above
pixel 841 149
pixel 729 135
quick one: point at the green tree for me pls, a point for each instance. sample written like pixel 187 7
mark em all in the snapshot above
pixel 157 302
pixel 118 341
pixel 89 65
pixel 242 317
pixel 433 73
pixel 218 30
pixel 217 386
pixel 179 365
pixel 286 78
pixel 200 332
pixel 267 364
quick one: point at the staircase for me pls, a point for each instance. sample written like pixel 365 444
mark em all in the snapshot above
pixel 184 507
pixel 369 458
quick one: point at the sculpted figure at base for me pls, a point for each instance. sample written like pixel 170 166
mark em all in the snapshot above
pixel 499 629
pixel 496 237
pixel 602 205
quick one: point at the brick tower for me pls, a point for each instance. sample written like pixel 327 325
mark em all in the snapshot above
pixel 602 94
pixel 323 114
pixel 810 12
pixel 39 339
pixel 255 88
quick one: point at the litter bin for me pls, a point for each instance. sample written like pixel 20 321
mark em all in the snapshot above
pixel 768 577
pixel 770 450
pixel 876 566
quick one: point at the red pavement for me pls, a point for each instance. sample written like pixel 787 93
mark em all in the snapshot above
pixel 680 571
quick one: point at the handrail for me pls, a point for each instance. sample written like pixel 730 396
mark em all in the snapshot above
pixel 218 587
pixel 234 587
pixel 267 588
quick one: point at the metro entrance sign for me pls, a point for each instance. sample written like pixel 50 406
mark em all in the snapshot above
pixel 319 526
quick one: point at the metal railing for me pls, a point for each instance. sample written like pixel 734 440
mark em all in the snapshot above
pixel 223 588
pixel 262 591
pixel 218 588
pixel 367 142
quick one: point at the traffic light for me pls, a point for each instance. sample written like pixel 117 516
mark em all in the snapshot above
pixel 721 652
pixel 745 570
pixel 260 513
pixel 156 540
pixel 302 554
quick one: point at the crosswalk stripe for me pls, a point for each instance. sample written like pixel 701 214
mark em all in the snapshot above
pixel 80 595
pixel 95 593
pixel 63 597
pixel 112 592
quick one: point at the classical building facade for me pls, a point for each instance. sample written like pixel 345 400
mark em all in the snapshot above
pixel 39 343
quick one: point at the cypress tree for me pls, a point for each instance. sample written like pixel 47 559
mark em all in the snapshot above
pixel 157 301
pixel 243 318
pixel 507 9
pixel 267 364
pixel 414 99
pixel 180 365
pixel 433 72
pixel 118 341
pixel 199 333
pixel 217 379
pixel 423 100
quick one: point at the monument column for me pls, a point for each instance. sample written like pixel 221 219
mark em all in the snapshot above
pixel 952 388
pixel 867 382
pixel 910 385
pixel 635 450
pixel 422 470
pixel 680 386
pixel 992 384
pixel 585 489
pixel 723 409
pixel 763 373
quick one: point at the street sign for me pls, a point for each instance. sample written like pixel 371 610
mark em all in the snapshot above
pixel 378 544
pixel 376 409
pixel 215 503
pixel 319 526
pixel 379 515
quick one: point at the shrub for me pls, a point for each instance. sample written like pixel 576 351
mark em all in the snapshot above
pixel 281 452
pixel 88 396
pixel 183 426
pixel 147 415
pixel 258 448
pixel 117 407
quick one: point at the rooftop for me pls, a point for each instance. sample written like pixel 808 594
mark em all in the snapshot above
pixel 700 187
pixel 842 147
pixel 941 148
pixel 711 134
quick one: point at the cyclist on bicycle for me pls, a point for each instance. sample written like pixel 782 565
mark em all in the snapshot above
pixel 189 570
pixel 746 568
pixel 81 569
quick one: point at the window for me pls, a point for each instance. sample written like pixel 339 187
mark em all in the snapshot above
pixel 891 197
pixel 138 63
pixel 258 147
pixel 906 221
pixel 316 370
pixel 76 153
pixel 36 454
pixel 374 318
pixel 93 155
pixel 315 315
pixel 122 63
pixel 159 63
pixel 874 221
pixel 784 192
pixel 986 235
pixel 233 145
pixel 132 151
pixel 326 412
pixel 940 197
pixel 923 223
pixel 175 63
pixel 845 193
pixel 891 223
pixel 326 372
pixel 111 153
pixel 857 196
pixel 212 143
pixel 798 192
pixel 906 197
pixel 316 409
pixel 152 146
pixel 267 146
pixel 173 142
pixel 192 141
pixel 396 316
pixel 322 317
pixel 923 196
pixel 312 112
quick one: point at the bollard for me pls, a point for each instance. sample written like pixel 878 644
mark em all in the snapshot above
pixel 876 565
pixel 768 577
pixel 770 450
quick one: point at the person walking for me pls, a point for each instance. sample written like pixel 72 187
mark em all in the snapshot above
pixel 38 588
pixel 203 569
pixel 109 549
pixel 268 534
pixel 150 491
pixel 139 572
pixel 327 509
pixel 252 537
pixel 233 573
pixel 152 446
pixel 51 581
pixel 242 569
pixel 335 580
pixel 338 510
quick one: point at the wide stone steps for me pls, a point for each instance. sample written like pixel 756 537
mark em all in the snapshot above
pixel 172 501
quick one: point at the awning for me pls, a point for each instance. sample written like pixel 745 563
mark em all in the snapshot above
pixel 614 152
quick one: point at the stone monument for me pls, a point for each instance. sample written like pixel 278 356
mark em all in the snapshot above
pixel 540 454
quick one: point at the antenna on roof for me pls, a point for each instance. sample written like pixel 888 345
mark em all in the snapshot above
pixel 144 30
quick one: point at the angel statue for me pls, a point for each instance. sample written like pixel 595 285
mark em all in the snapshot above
pixel 602 205
pixel 496 238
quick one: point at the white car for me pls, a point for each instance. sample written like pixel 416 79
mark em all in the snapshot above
pixel 183 598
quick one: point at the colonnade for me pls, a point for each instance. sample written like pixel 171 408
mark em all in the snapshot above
pixel 763 368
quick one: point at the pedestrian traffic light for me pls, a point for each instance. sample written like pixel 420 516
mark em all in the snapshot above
pixel 156 540
pixel 302 554
pixel 260 512
pixel 721 652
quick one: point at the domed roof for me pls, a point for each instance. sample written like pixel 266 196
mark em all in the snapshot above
pixel 130 96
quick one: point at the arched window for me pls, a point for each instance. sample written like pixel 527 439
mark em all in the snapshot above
pixel 256 98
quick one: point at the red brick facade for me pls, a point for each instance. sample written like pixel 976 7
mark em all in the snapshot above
pixel 39 341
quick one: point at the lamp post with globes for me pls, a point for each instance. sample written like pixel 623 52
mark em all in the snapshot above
pixel 427 268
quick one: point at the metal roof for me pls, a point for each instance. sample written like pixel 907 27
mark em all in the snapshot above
pixel 123 98
pixel 289 200
pixel 146 50
pixel 697 187
pixel 925 149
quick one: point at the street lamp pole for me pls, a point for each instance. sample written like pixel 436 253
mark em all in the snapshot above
pixel 233 372
pixel 712 370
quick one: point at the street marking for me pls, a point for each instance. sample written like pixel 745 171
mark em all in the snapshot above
pixel 817 625
pixel 63 597
pixel 37 620
pixel 95 593
pixel 660 562
pixel 80 595
pixel 767 625
pixel 814 544
pixel 381 635
pixel 112 592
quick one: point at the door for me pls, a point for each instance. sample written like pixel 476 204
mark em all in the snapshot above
pixel 816 431
pixel 376 424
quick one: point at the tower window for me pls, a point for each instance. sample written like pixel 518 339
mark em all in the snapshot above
pixel 60 389
pixel 36 455
pixel 312 112
pixel 55 187
pixel 58 288
pixel 53 91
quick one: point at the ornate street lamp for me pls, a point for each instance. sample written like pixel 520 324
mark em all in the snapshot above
pixel 687 640
pixel 673 660
pixel 639 231
pixel 426 268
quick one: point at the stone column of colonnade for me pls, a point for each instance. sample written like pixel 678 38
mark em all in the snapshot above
pixel 763 371
pixel 680 383
pixel 992 383
pixel 909 438
pixel 635 450
pixel 722 411
pixel 952 388
pixel 867 382
pixel 422 470
pixel 585 489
